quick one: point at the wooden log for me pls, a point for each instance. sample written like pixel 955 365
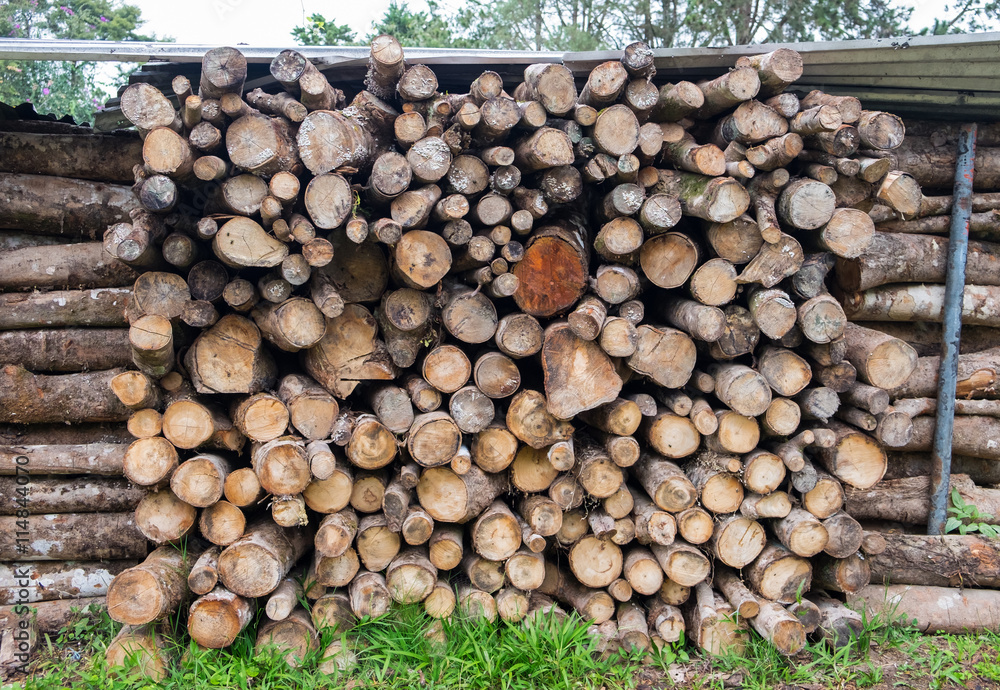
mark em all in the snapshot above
pixel 711 624
pixel 99 308
pixel 971 436
pixel 559 249
pixel 66 266
pixel 217 618
pixel 63 206
pixel 778 574
pixel 82 397
pixel 272 549
pixel 152 590
pixel 980 470
pixel 773 263
pixel 142 646
pixel 682 563
pixel 716 199
pixel 161 517
pixel 880 360
pixel 450 497
pixel 65 350
pixel 948 560
pixel 595 562
pixel 899 258
pixel 780 628
pixel 921 303
pixel 293 637
pixel 568 361
pixel 71 495
pixel 737 540
pixel 935 609
pixel 976 377
pixel 411 577
pixel 906 500
pixel 80 156
pixel 204 574
pixel 29 582
pixel 61 459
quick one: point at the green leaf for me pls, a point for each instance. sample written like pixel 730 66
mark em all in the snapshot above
pixel 952 524
pixel 956 499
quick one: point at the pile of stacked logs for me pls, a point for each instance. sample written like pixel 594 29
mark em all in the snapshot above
pixel 507 353
pixel 66 509
pixel 897 287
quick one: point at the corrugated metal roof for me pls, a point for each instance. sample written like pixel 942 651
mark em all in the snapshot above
pixel 947 77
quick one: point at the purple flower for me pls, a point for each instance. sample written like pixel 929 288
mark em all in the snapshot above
pixel 66 10
pixel 17 26
pixel 45 91
pixel 104 19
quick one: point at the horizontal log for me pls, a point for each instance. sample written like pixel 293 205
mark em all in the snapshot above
pixel 93 536
pixel 72 349
pixel 894 258
pixel 92 458
pixel 105 158
pixel 27 398
pixel 975 436
pixel 98 308
pixel 947 560
pixel 980 304
pixel 62 206
pixel 52 580
pixel 64 434
pixel 980 470
pixel 978 377
pixel 52 616
pixel 41 495
pixel 12 239
pixel 63 267
pixel 908 500
pixel 935 609
pixel 934 166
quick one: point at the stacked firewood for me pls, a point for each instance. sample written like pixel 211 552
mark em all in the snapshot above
pixel 506 352
pixel 66 510
pixel 897 287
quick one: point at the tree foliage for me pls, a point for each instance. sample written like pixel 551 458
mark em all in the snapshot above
pixel 62 88
pixel 603 24
pixel 319 31
pixel 425 29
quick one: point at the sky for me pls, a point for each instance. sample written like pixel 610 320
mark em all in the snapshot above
pixel 270 22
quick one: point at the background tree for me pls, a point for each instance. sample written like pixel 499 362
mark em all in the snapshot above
pixel 64 88
pixel 425 29
pixel 319 31
pixel 604 24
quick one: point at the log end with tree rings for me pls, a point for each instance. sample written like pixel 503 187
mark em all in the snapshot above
pixel 737 541
pixel 328 199
pixel 422 257
pixel 553 273
pixel 806 204
pixel 848 233
pixel 668 259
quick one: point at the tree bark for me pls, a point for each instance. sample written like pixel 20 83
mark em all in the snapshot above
pixel 63 267
pixel 907 500
pixel 935 609
pixel 62 206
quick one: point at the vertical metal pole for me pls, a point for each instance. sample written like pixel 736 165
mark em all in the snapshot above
pixel 958 249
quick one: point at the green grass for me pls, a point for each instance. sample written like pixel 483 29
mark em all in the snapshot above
pixel 392 652
pixel 883 655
